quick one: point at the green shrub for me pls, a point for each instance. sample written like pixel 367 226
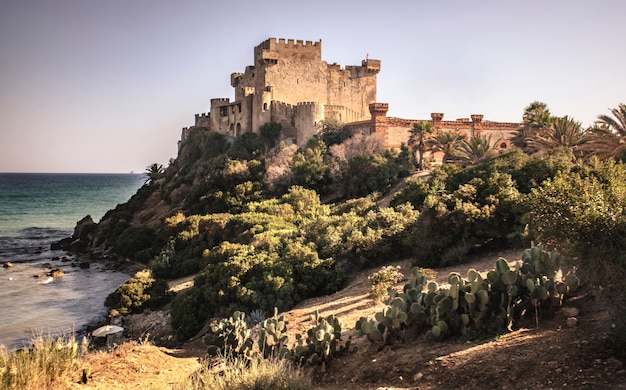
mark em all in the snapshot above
pixel 247 146
pixel 462 210
pixel 190 311
pixel 383 279
pixel 270 132
pixel 138 243
pixel 583 213
pixel 310 168
pixel 372 173
pixel 137 294
pixel 379 235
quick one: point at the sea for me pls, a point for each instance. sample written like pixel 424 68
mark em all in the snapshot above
pixel 37 209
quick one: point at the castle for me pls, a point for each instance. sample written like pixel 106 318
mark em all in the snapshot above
pixel 290 84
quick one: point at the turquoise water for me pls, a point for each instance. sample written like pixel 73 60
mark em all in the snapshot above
pixel 60 200
pixel 35 211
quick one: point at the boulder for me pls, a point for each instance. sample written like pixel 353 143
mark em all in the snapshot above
pixel 81 239
pixel 56 273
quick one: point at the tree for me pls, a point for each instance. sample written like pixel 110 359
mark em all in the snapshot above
pixel 536 117
pixel 332 132
pixel 310 168
pixel 270 131
pixel 562 131
pixel 447 142
pixel 419 132
pixel 607 138
pixel 153 172
pixel 476 150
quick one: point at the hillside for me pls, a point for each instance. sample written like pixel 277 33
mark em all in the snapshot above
pixel 241 225
pixel 553 356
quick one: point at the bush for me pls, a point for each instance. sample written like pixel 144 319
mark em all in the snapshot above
pixel 190 311
pixel 378 235
pixel 270 132
pixel 247 147
pixel 372 173
pixel 463 210
pixel 242 277
pixel 383 279
pixel 583 213
pixel 310 169
pixel 137 294
pixel 139 243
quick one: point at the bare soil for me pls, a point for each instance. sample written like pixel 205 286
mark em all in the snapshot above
pixel 555 355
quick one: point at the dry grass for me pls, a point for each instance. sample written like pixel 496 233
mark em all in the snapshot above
pixel 48 364
pixel 63 363
pixel 239 374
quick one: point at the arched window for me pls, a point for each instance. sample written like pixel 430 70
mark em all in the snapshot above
pixel 238 129
pixel 264 106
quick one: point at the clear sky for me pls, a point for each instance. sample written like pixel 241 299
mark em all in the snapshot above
pixel 107 86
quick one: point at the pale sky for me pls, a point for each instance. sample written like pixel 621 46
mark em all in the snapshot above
pixel 107 86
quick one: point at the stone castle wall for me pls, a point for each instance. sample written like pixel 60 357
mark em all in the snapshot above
pixel 290 84
pixel 286 78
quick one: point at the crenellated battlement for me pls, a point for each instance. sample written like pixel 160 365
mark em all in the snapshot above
pixel 235 78
pixel 217 102
pixel 271 50
pixel 367 68
pixel 203 119
pixel 282 43
pixel 282 105
pixel 379 108
pixel 307 104
pixel 476 117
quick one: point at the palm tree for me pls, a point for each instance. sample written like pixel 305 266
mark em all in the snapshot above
pixel 536 117
pixel 153 172
pixel 476 150
pixel 419 132
pixel 447 142
pixel 607 138
pixel 562 131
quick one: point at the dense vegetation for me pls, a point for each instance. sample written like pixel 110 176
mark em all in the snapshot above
pixel 264 224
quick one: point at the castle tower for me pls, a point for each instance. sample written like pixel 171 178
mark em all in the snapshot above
pixel 436 117
pixel 291 75
pixel 378 111
pixel 477 125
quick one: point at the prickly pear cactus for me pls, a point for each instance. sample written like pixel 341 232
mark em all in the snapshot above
pixel 273 336
pixel 323 341
pixel 230 337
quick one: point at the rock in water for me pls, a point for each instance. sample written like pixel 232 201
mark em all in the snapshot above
pixel 56 273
